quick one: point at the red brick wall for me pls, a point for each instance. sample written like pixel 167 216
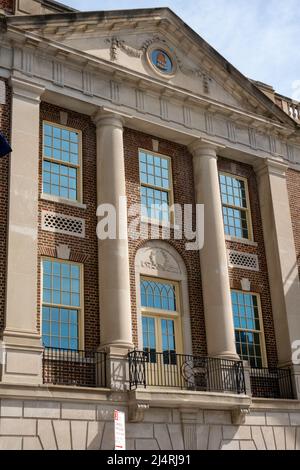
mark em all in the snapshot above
pixel 293 184
pixel 80 247
pixel 182 170
pixel 183 194
pixel 4 168
pixel 259 280
pixel 7 5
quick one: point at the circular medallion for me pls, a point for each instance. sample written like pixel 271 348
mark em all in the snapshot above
pixel 161 61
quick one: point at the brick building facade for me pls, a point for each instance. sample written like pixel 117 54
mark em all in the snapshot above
pixel 203 359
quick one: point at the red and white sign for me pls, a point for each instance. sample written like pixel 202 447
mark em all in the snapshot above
pixel 120 441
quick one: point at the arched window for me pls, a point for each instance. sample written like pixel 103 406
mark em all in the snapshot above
pixel 163 315
pixel 161 319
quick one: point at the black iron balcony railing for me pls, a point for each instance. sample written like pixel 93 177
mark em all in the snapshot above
pixel 271 383
pixel 77 368
pixel 185 372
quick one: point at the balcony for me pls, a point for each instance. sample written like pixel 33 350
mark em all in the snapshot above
pixel 289 106
pixel 167 371
pixel 74 368
pixel 185 372
pixel 271 383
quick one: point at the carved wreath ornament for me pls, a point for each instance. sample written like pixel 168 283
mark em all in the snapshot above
pixel 119 44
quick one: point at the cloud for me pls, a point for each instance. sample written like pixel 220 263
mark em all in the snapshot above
pixel 260 38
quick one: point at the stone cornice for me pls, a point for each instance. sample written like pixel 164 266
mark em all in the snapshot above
pixel 162 19
pixel 40 46
pixel 99 83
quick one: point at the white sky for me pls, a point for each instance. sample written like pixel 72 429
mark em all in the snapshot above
pixel 261 38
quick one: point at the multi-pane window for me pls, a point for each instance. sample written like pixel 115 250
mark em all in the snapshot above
pixel 156 186
pixel 61 161
pixel 156 294
pixel 235 206
pixel 149 337
pixel 61 304
pixel 248 330
pixel 160 319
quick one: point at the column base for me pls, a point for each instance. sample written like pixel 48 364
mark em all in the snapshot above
pixel 295 370
pixel 21 358
pixel 117 367
pixel 226 355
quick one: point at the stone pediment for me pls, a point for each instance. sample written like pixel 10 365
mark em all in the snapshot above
pixel 126 39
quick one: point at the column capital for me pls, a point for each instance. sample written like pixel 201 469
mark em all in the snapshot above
pixel 270 166
pixel 27 90
pixel 105 117
pixel 201 147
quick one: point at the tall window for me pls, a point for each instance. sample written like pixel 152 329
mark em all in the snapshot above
pixel 156 186
pixel 61 161
pixel 236 207
pixel 62 304
pixel 248 328
pixel 160 319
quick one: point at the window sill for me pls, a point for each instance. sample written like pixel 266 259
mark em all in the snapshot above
pixel 243 241
pixel 61 200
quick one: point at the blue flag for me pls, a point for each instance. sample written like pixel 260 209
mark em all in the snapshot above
pixel 4 146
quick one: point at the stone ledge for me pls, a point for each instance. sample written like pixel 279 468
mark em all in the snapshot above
pixel 275 404
pixel 162 397
pixel 56 393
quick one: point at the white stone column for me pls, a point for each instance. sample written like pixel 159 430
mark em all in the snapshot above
pixel 281 259
pixel 114 283
pixel 21 339
pixel 214 267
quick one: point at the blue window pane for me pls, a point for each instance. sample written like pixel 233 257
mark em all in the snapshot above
pixel 57 132
pixel 46 341
pixel 73 344
pixel 54 314
pixel 56 282
pixel 75 272
pixel 74 159
pixel 47 152
pixel 66 298
pixel 56 144
pixel 72 194
pixel 47 281
pixel 47 265
pixel 64 181
pixel 64 192
pixel 47 178
pixel 73 137
pixel 47 296
pixel 75 300
pixel 55 342
pixel 75 286
pixel 65 134
pixel 47 129
pixel 56 297
pixel 45 328
pixel 54 329
pixel 65 270
pixel 73 331
pixel 65 284
pixel 64 315
pixel 46 313
pixel 64 330
pixel 73 316
pixel 64 343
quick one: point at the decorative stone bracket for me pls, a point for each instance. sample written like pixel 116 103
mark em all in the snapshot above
pixel 137 412
pixel 238 415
